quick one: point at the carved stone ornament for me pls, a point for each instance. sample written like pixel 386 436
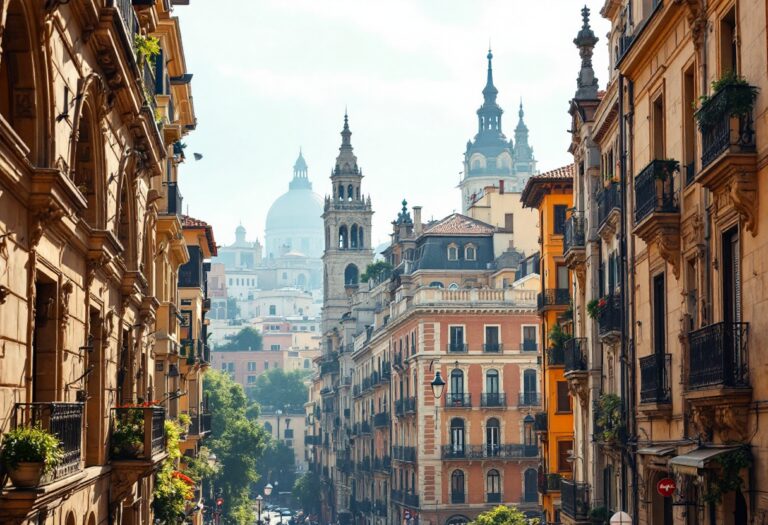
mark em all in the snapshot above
pixel 743 193
pixel 731 422
pixel 577 385
pixel 703 421
pixel 697 20
pixel 4 293
pixel 668 243
pixel 43 217
pixel 66 291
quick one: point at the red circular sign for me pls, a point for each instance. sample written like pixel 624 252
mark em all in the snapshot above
pixel 666 487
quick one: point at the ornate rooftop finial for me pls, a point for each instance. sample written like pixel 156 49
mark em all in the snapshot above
pixel 585 41
pixel 404 216
pixel 300 177
pixel 346 162
pixel 490 91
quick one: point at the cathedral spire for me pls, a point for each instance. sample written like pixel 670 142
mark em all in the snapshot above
pixel 490 91
pixel 346 162
pixel 585 41
pixel 300 178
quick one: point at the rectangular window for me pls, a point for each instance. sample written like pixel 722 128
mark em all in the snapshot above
pixel 728 50
pixel 692 302
pixel 529 339
pixel 659 315
pixel 272 309
pixel 657 138
pixel 231 367
pixel 559 219
pixel 731 277
pixel 689 133
pixel 492 343
pixel 274 348
pixel 563 397
pixel 509 222
pixel 563 283
pixel 266 365
pixel 564 451
pixel 453 253
pixel 251 366
pixel 288 433
pixel 251 379
pixel 456 338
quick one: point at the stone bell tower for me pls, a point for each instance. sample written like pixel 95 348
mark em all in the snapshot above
pixel 348 249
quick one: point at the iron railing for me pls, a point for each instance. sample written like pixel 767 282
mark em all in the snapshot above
pixel 381 419
pixel 145 423
pixel 493 497
pixel 549 483
pixel 655 189
pixel 575 354
pixel 556 355
pixel 329 367
pixel 723 129
pixel 529 346
pixel 574 497
pixel 718 356
pixel 554 297
pixel 493 348
pixel 690 173
pixel 63 420
pixel 492 451
pixel 609 315
pixel 406 405
pixel 574 232
pixel 540 422
pixel 494 399
pixel 654 378
pixel 457 497
pixel 608 199
pixel 458 400
pixel 407 454
pixel 529 399
pixel 456 347
pixel 175 200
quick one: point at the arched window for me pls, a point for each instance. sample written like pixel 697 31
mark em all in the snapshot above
pixel 435 284
pixel 530 489
pixel 86 166
pixel 457 388
pixel 493 486
pixel 126 226
pixel 530 396
pixel 351 275
pixel 457 486
pixel 453 286
pixel 350 192
pixel 353 236
pixel 268 427
pixel 343 238
pixel 493 398
pixel 470 252
pixel 529 437
pixel 453 252
pixel 457 437
pixel 357 192
pixel 341 192
pixel 457 520
pixel 492 437
pixel 360 242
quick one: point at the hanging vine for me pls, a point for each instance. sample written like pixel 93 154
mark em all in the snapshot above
pixel 729 478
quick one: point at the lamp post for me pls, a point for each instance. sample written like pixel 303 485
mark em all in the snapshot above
pixel 259 501
pixel 278 413
pixel 438 385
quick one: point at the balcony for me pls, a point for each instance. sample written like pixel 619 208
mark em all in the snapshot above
pixel 540 422
pixel 489 451
pixel 381 420
pixel 529 346
pixel 529 399
pixel 200 425
pixel 386 373
pixel 406 454
pixel 654 379
pixel 383 464
pixel 458 498
pixel 729 158
pixel 150 89
pixel 556 355
pixel 364 506
pixel 718 357
pixel 608 210
pixel 456 348
pixel 365 428
pixel 411 500
pixel 174 200
pixel 138 433
pixel 493 400
pixel 380 509
pixel 329 367
pixel 549 483
pixel 493 497
pixel 554 298
pixel 344 465
pixel 65 421
pixel 493 348
pixel 406 405
pixel 609 318
pixel 574 497
pixel 574 240
pixel 575 354
pixel 458 400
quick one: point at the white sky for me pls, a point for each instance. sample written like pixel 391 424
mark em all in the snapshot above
pixel 273 75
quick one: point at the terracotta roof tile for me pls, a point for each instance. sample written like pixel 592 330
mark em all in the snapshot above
pixel 532 191
pixel 191 222
pixel 458 224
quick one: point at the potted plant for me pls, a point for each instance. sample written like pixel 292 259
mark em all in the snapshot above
pixel 28 453
pixel 609 417
pixel 593 308
pixel 128 434
pixel 665 168
pixel 731 96
pixel 598 515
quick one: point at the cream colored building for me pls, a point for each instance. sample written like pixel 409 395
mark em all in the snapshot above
pixel 519 226
pixel 90 245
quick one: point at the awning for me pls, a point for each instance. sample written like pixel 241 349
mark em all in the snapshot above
pixel 699 458
pixel 661 450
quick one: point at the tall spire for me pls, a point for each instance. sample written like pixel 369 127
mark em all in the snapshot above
pixel 585 41
pixel 490 91
pixel 346 162
pixel 300 178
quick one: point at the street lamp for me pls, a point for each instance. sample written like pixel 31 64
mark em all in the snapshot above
pixel 259 501
pixel 268 489
pixel 437 385
pixel 278 413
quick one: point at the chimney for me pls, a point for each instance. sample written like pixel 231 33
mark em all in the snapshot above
pixel 417 227
pixel 501 187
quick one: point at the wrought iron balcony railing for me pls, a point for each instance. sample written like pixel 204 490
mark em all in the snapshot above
pixel 457 497
pixel 456 348
pixel 406 405
pixel 494 399
pixel 556 355
pixel 574 233
pixel 489 451
pixel 540 422
pixel 407 454
pixel 381 419
pixel 549 483
pixel 174 198
pixel 654 378
pixel 554 297
pixel 145 423
pixel 63 420
pixel 458 400
pixel 493 348
pixel 574 497
pixel 718 356
pixel 529 399
pixel 493 497
pixel 655 189
pixel 529 346
pixel 609 315
pixel 722 129
pixel 608 199
pixel 575 354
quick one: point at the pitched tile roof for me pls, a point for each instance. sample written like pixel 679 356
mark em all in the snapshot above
pixel 531 194
pixel 191 223
pixel 458 224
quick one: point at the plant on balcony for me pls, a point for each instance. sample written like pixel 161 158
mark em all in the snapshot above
pixel 599 515
pixel 733 102
pixel 173 489
pixel 594 306
pixel 665 168
pixel 184 421
pixel 28 453
pixel 147 47
pixel 558 337
pixel 128 434
pixel 729 478
pixel 609 417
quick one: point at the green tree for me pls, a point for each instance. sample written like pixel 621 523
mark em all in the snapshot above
pixel 277 466
pixel 306 493
pixel 279 389
pixel 246 339
pixel 377 271
pixel 502 515
pixel 238 442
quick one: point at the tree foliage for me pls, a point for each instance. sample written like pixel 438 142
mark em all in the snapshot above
pixel 377 271
pixel 238 442
pixel 246 339
pixel 277 466
pixel 306 493
pixel 279 389
pixel 501 515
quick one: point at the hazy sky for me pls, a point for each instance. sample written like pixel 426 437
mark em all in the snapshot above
pixel 271 76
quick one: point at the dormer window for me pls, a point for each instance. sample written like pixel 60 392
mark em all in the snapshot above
pixel 470 252
pixel 453 252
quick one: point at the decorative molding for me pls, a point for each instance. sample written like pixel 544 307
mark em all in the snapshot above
pixel 43 217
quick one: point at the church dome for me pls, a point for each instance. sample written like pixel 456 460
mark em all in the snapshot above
pixel 294 221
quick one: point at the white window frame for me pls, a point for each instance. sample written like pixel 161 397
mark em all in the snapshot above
pixel 467 247
pixel 453 246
